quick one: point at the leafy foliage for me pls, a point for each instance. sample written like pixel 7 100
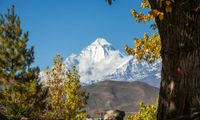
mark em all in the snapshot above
pixel 146 112
pixel 56 93
pixel 66 99
pixel 21 94
pixel 148 48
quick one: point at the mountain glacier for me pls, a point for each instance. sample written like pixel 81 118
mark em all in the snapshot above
pixel 101 61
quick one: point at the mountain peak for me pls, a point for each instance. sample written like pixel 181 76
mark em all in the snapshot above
pixel 101 41
pixel 99 50
pixel 101 61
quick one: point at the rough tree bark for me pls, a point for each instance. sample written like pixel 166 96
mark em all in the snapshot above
pixel 180 76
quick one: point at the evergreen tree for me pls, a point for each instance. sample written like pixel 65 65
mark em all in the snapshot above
pixel 21 94
pixel 67 101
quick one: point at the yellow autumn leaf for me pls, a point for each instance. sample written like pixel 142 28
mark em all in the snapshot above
pixel 168 9
pixel 20 43
pixel 168 2
pixel 161 16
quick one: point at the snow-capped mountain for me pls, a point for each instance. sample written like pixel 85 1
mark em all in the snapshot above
pixel 101 61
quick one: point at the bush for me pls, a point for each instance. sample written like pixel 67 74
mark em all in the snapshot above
pixel 146 112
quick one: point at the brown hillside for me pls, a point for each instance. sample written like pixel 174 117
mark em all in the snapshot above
pixel 124 96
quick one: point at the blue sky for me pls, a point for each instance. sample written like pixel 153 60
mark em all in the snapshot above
pixel 67 26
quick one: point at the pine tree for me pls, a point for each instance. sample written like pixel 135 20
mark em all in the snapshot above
pixel 21 94
pixel 67 101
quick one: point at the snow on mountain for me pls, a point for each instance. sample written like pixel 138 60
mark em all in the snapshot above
pixel 101 61
pixel 72 60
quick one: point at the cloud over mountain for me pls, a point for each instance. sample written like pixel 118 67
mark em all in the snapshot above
pixel 101 61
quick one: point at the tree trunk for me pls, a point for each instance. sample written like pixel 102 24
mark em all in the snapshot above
pixel 179 97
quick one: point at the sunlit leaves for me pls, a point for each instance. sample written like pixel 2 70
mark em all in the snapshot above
pixel 141 17
pixel 66 99
pixel 146 48
pixel 146 112
pixel 145 4
pixel 75 99
pixel 168 7
pixel 55 79
pixel 167 4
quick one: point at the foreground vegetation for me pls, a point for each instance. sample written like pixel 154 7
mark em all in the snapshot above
pixel 22 93
pixel 66 101
pixel 146 112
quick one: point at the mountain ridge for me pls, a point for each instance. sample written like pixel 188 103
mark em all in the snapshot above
pixel 100 61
